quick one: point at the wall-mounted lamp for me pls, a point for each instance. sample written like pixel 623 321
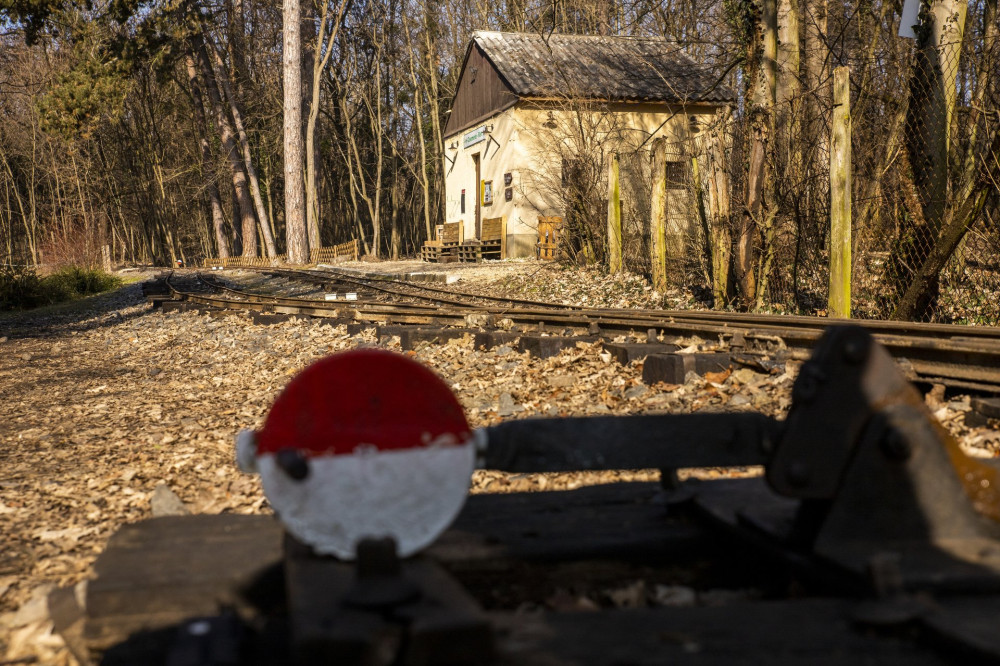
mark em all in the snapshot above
pixel 488 129
pixel 551 122
pixel 454 145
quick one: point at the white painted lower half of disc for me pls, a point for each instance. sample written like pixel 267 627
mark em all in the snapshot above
pixel 411 495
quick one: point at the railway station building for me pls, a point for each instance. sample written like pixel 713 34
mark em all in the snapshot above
pixel 531 112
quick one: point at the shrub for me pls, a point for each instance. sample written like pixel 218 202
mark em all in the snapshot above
pixel 21 288
pixel 86 281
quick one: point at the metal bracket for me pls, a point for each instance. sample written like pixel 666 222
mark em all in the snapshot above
pixel 380 610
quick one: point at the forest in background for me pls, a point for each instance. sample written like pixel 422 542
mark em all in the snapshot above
pixel 158 129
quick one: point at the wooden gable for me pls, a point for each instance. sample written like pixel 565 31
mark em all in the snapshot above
pixel 481 92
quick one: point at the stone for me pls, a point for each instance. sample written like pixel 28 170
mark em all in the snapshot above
pixel 561 381
pixel 506 406
pixel 673 595
pixel 503 351
pixel 739 400
pixel 34 609
pixel 636 392
pixel 165 502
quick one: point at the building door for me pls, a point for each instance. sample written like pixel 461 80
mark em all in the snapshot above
pixel 479 195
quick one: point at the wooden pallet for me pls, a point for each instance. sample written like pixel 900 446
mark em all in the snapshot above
pixel 431 251
pixel 493 238
pixel 444 248
pixel 470 252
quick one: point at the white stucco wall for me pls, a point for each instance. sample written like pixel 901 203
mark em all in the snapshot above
pixel 527 142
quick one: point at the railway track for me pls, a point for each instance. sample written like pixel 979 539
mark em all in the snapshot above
pixel 962 357
pixel 870 538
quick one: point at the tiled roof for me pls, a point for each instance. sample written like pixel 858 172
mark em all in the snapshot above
pixel 598 67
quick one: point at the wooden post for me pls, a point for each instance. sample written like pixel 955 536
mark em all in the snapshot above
pixel 503 237
pixel 840 196
pixel 614 217
pixel 658 215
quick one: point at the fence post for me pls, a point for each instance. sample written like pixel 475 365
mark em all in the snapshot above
pixel 614 216
pixel 658 215
pixel 840 196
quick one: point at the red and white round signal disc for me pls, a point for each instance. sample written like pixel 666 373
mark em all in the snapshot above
pixel 379 446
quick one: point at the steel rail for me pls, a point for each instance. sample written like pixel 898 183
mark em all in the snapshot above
pixel 974 363
pixel 739 319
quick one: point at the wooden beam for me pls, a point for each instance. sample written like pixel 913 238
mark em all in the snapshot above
pixel 614 217
pixel 658 215
pixel 840 196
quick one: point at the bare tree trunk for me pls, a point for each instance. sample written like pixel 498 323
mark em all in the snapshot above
pixel 244 140
pixel 437 158
pixel 932 104
pixel 718 190
pixel 320 59
pixel 813 14
pixel 787 88
pixel 422 142
pixel 394 238
pixel 309 45
pixel 756 217
pixel 296 235
pixel 928 137
pixel 248 221
pixel 215 201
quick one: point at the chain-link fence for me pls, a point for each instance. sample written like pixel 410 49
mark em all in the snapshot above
pixel 748 202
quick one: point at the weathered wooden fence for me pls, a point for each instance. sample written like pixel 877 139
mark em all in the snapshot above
pixel 245 262
pixel 343 252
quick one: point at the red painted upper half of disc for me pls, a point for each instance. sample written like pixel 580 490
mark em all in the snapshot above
pixel 362 397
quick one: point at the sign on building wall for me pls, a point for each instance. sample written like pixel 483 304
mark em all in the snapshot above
pixel 487 192
pixel 474 137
